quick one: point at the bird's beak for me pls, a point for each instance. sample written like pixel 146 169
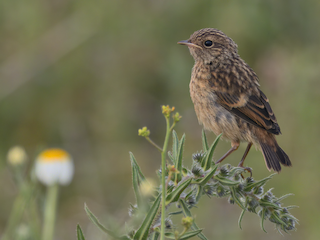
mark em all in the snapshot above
pixel 189 44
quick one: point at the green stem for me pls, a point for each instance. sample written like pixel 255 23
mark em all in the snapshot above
pixel 50 212
pixel 163 178
pixel 154 144
pixel 19 206
pixel 183 232
pixel 173 125
pixel 15 217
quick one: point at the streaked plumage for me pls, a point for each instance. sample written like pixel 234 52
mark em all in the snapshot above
pixel 227 98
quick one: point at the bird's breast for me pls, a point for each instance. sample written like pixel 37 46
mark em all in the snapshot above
pixel 211 114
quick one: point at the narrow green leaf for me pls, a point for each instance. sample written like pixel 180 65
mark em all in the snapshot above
pixel 291 207
pixel 190 193
pixel 135 163
pixel 190 234
pixel 277 218
pixel 137 179
pixel 187 213
pixel 236 170
pixel 264 203
pixel 258 183
pixel 242 214
pixel 170 235
pixel 175 213
pixel 204 180
pixel 135 183
pixel 199 193
pixel 171 157
pixel 263 213
pixel 236 198
pixel 284 196
pixel 143 231
pixel 175 146
pixel 80 235
pixel 155 236
pixel 175 194
pixel 207 161
pixel 96 222
pixel 226 181
pixel 204 141
pixel 179 157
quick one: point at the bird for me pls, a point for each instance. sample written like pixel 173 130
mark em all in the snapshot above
pixel 227 98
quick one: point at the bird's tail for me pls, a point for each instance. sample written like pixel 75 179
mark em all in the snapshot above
pixel 274 155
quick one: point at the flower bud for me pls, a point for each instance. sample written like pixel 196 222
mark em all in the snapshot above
pixel 197 171
pixel 208 189
pixel 144 132
pixel 16 156
pixel 220 191
pixel 231 200
pixel 197 157
pixel 187 222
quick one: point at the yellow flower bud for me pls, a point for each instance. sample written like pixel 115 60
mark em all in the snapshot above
pixel 16 156
pixel 144 132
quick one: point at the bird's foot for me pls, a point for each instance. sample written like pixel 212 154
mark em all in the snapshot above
pixel 246 169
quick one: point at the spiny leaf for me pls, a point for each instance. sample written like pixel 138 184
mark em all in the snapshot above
pixel 95 220
pixel 143 231
pixel 80 235
pixel 175 194
pixel 187 213
pixel 207 161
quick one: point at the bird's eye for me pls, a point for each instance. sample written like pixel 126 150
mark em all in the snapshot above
pixel 208 43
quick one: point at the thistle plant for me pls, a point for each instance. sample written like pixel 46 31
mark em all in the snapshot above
pixel 150 217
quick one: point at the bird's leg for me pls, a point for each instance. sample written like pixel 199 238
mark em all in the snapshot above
pixel 234 146
pixel 244 157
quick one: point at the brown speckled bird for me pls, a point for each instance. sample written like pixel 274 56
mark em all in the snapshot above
pixel 227 99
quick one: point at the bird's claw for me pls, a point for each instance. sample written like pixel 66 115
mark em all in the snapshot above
pixel 248 169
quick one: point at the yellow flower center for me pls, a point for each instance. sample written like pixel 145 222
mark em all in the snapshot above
pixel 54 154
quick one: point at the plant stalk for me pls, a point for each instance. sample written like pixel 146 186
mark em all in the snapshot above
pixel 50 212
pixel 163 178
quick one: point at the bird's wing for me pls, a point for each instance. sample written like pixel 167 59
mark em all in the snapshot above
pixel 254 109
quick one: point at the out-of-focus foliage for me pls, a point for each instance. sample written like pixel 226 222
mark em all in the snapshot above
pixel 84 75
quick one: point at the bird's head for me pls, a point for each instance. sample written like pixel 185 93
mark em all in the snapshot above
pixel 209 43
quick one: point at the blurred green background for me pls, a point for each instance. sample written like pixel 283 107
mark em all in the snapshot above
pixel 85 75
